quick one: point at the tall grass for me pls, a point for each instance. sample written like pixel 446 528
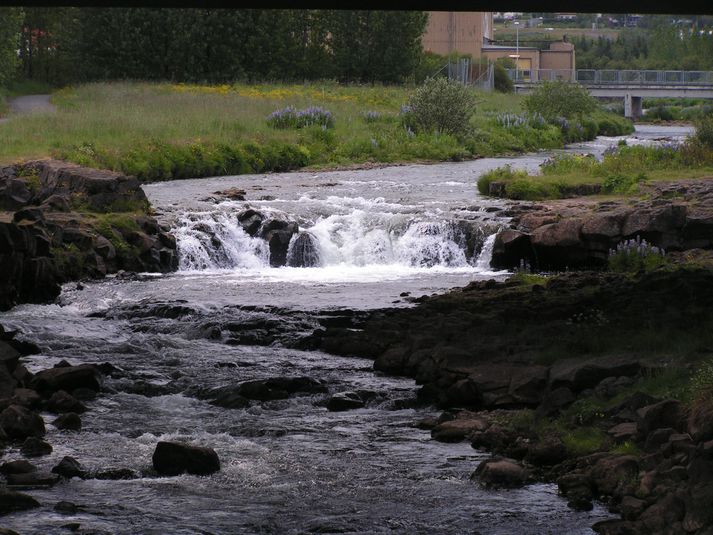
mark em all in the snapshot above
pixel 160 130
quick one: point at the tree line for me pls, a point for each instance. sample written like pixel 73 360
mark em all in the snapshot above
pixel 662 48
pixel 70 44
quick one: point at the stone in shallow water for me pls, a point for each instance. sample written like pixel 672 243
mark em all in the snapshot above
pixel 498 472
pixel 11 501
pixel 35 447
pixel 174 458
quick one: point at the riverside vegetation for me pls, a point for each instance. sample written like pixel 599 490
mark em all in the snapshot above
pixel 133 128
pixel 623 170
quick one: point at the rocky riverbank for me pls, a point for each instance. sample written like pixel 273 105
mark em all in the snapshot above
pixel 61 222
pixel 582 378
pixel 578 233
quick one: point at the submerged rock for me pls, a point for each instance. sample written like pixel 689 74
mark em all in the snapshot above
pixel 174 458
pixel 499 472
pixel 11 501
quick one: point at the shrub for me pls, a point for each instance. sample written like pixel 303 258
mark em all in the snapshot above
pixel 619 183
pixel 704 131
pixel 440 105
pixel 497 175
pixel 560 99
pixel 372 116
pixel 631 256
pixel 502 81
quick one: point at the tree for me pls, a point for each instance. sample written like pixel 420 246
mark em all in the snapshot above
pixel 376 45
pixel 10 21
pixel 560 99
pixel 443 106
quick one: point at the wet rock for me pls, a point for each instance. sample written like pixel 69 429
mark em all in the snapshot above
pixel 19 423
pixel 32 479
pixel 67 378
pixel 547 452
pixel 11 501
pixel 6 531
pixel 173 458
pixel 9 356
pixel 510 248
pixel 498 472
pixel 303 251
pixel 66 508
pixel 62 402
pixel 234 194
pixel 26 398
pixel 115 474
pixel 345 401
pixel 69 467
pixel 35 447
pixel 229 398
pixel 19 466
pixel 458 429
pixel 279 388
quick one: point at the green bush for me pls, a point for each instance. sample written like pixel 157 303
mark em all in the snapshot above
pixel 618 183
pixel 442 106
pixel 554 99
pixel 501 80
pixel 704 131
pixel 499 174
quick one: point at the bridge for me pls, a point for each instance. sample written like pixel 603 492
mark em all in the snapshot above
pixel 632 86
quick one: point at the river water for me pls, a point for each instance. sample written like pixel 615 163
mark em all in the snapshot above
pixel 381 237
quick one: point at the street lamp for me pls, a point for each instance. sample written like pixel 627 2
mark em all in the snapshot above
pixel 517 49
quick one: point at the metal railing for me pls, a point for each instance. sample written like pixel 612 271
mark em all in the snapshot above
pixel 612 77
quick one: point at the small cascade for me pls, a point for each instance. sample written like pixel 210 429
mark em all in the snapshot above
pixel 217 241
pixel 353 238
pixel 486 254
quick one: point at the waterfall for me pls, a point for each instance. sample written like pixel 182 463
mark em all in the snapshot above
pixel 356 237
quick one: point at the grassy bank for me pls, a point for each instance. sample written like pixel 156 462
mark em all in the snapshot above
pixel 622 172
pixel 163 131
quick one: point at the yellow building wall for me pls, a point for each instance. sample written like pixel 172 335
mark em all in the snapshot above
pixel 462 32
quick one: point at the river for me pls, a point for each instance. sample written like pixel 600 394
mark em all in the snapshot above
pixel 382 237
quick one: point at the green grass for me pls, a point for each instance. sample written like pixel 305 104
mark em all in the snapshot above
pixel 162 131
pixel 620 173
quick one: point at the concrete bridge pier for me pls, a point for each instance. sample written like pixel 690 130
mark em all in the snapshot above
pixel 633 107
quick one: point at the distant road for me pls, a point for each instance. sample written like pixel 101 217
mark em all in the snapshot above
pixel 30 104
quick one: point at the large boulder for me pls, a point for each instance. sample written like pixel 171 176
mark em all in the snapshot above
pixel 499 472
pixel 666 413
pixel 67 378
pixel 11 502
pixel 20 423
pixel 578 375
pixel 174 458
pixel 278 234
pixel 511 247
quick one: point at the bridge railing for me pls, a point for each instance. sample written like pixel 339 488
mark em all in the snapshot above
pixel 605 77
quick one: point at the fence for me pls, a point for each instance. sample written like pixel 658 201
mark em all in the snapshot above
pixel 604 77
pixel 470 73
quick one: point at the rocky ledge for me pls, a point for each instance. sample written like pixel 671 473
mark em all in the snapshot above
pixel 61 222
pixel 578 233
pixel 572 378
